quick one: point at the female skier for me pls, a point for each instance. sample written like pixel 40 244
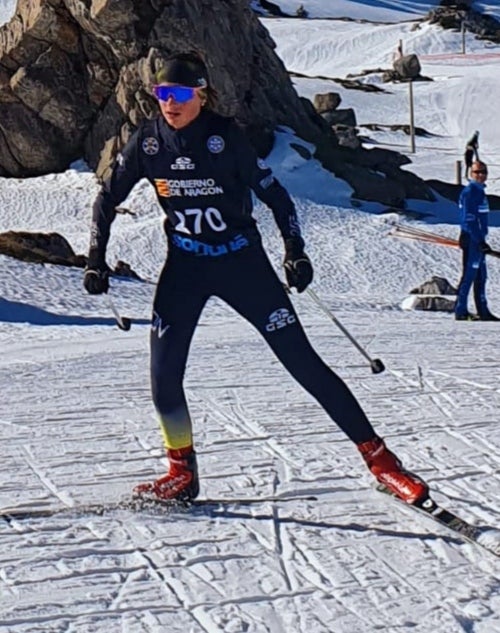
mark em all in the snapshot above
pixel 203 169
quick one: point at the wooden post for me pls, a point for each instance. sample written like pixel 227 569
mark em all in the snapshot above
pixel 463 37
pixel 412 119
pixel 458 172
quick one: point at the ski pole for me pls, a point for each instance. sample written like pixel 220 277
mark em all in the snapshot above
pixel 433 238
pixel 377 366
pixel 423 236
pixel 122 322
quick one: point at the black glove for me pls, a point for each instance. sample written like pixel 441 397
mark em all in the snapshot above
pixel 298 267
pixel 485 248
pixel 96 276
pixel 96 281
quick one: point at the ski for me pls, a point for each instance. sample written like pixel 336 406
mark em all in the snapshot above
pixel 138 504
pixel 486 537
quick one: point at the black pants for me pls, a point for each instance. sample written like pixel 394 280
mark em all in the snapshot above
pixel 247 282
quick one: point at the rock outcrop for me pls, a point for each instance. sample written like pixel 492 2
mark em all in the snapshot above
pixel 40 248
pixel 436 295
pixel 76 78
pixel 50 248
pixel 455 14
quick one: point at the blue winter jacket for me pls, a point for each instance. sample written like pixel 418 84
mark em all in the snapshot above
pixel 474 209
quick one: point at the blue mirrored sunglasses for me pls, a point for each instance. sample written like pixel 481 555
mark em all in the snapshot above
pixel 181 94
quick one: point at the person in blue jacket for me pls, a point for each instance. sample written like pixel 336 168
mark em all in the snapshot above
pixel 474 208
pixel 203 170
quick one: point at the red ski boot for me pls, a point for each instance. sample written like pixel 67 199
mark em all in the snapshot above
pixel 180 483
pixel 389 471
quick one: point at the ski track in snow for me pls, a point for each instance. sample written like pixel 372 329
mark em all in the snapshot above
pixel 347 562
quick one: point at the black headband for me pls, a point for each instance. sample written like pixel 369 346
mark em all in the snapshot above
pixel 184 72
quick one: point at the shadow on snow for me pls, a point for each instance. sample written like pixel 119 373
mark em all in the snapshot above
pixel 17 312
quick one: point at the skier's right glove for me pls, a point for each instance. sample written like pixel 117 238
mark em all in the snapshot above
pixel 298 267
pixel 95 281
pixel 96 275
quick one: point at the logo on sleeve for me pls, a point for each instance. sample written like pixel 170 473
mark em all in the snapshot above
pixel 150 146
pixel 216 144
pixel 266 182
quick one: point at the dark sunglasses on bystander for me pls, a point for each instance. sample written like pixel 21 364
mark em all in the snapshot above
pixel 180 94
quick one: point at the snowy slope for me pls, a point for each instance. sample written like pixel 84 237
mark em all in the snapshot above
pixel 459 100
pixel 78 427
pixel 380 11
pixel 7 8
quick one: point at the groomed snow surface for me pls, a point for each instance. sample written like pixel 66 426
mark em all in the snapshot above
pixel 78 426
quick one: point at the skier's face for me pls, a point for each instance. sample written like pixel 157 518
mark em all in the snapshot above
pixel 479 172
pixel 180 106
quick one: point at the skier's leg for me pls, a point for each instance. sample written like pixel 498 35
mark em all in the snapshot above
pixel 470 266
pixel 274 317
pixel 480 288
pixel 177 306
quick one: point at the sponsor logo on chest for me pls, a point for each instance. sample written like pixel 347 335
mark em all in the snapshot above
pixel 183 163
pixel 187 188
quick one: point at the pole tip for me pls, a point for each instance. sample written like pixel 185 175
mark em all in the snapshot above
pixel 377 366
pixel 124 324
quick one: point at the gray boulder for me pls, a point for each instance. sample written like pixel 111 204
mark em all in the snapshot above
pixel 436 294
pixel 435 286
pixel 434 304
pixel 40 248
pixel 325 102
pixel 407 66
pixel 345 116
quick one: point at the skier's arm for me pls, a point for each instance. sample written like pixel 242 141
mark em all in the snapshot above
pixel 259 177
pixel 474 222
pixel 126 173
pixel 483 213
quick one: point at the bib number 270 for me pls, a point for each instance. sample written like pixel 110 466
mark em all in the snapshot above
pixel 192 221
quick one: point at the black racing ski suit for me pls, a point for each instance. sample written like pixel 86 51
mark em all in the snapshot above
pixel 203 175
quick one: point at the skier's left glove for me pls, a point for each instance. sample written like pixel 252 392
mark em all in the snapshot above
pixel 298 267
pixel 485 248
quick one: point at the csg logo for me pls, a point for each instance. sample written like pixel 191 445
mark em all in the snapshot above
pixel 279 319
pixel 182 163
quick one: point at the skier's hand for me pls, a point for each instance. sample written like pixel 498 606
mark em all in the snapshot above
pixel 298 267
pixel 96 280
pixel 485 248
